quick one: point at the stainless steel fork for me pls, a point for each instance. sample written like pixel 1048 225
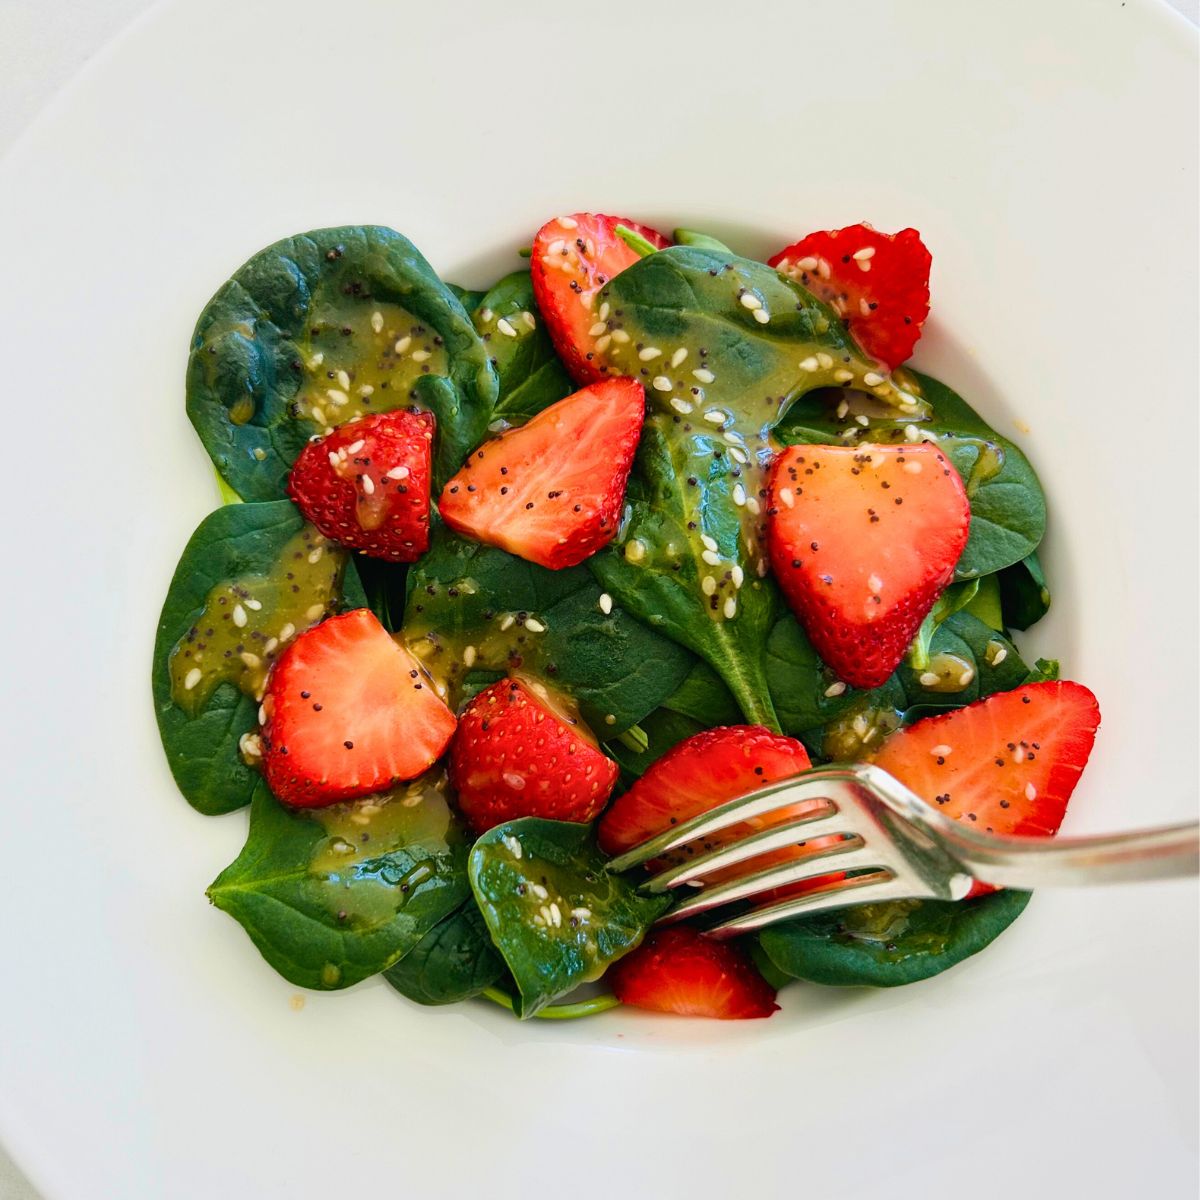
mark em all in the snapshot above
pixel 891 845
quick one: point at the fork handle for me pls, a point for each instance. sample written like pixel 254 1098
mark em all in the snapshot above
pixel 1169 852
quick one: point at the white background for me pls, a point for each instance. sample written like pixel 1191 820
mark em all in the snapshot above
pixel 43 43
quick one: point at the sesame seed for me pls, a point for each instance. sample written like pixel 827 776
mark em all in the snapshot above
pixel 842 375
pixel 737 455
pixel 661 383
pixel 864 308
pixel 708 585
pixel 753 505
pixel 251 660
pixel 862 419
pixel 315 556
pixel 604 311
pixel 401 347
pixel 602 342
pixel 711 557
pixel 872 379
pixel 581 914
pixel 835 689
pixel 709 541
pixel 318 415
pixel 620 336
pixel 996 654
pixel 355 447
pixel 739 495
pixel 239 616
pixel 762 316
pixel 368 485
pixel 966 677
pixel 556 247
pixel 912 433
pixel 761 568
pixel 314 611
pixel 1030 792
pixel 597 329
pixel 534 625
pixel 678 357
pixel 250 744
pixel 730 608
pixel 336 397
pixel 513 846
pixel 704 375
pixel 287 631
pixel 928 679
pixel 316 360
pixel 681 406
pixel 715 417
pixel 539 891
pixel 485 315
pixel 737 575
pixel 875 583
pixel 940 751
pixel 810 363
pixel 377 321
pixel 649 353
pixel 507 622
pixel 397 473
pixel 842 409
pixel 343 380
pixel 787 496
pixel 420 356
pixel 556 914
pixel 732 439
pixel 750 301
pixel 807 264
pixel 262 714
pixel 568 222
pixel 528 320
pixel 635 550
pixel 192 678
pixel 825 360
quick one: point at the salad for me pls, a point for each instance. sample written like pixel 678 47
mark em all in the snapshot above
pixel 507 582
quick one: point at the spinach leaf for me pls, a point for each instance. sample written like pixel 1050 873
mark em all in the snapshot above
pixel 724 346
pixel 663 729
pixel 384 586
pixel 453 961
pixel 331 896
pixel 693 237
pixel 1045 670
pixel 890 943
pixel 555 914
pixel 986 604
pixel 473 607
pixel 318 328
pixel 465 296
pixel 807 694
pixel 1024 596
pixel 968 661
pixel 204 700
pixel 704 697
pixel 531 376
pixel 1008 508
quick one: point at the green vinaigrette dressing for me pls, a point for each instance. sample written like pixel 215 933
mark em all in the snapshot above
pixel 247 622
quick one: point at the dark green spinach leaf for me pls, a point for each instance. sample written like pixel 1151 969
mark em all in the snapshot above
pixel 890 943
pixel 454 961
pixel 663 729
pixel 555 914
pixel 286 348
pixel 704 697
pixel 1024 596
pixel 333 895
pixel 473 608
pixel 237 542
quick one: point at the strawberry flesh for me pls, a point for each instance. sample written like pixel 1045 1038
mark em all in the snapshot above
pixel 573 258
pixel 862 540
pixel 1006 764
pixel 518 754
pixel 551 491
pixel 680 970
pixel 366 484
pixel 348 713
pixel 877 282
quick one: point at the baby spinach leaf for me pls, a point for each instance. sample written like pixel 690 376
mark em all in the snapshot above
pixel 331 896
pixel 704 697
pixel 807 694
pixel 384 586
pixel 1008 508
pixel 705 241
pixel 1024 596
pixel 555 914
pixel 465 296
pixel 890 943
pixel 968 660
pixel 663 729
pixel 724 346
pixel 473 607
pixel 1045 670
pixel 453 961
pixel 318 328
pixel 985 604
pixel 249 546
pixel 531 376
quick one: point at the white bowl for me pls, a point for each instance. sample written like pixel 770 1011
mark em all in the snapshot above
pixel 1047 152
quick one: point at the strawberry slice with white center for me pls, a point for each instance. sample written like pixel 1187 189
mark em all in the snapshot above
pixel 573 258
pixel 551 491
pixel 877 282
pixel 348 713
pixel 862 540
pixel 1006 764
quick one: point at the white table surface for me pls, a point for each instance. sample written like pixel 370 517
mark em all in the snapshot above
pixel 43 43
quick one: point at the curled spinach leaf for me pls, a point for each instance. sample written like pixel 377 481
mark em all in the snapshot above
pixel 1024 596
pixel 454 961
pixel 321 326
pixel 240 544
pixel 331 896
pixel 890 943
pixel 474 608
pixel 555 914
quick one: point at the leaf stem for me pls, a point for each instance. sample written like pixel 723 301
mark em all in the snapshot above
pixel 635 241
pixel 557 1012
pixel 634 738
pixel 702 241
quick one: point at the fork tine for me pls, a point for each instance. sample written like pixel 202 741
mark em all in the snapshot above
pixel 825 784
pixel 797 832
pixel 859 889
pixel 852 854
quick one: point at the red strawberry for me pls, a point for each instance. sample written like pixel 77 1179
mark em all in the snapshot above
pixel 347 713
pixel 573 258
pixel 1006 764
pixel 518 753
pixel 879 282
pixel 366 484
pixel 679 970
pixel 551 491
pixel 862 540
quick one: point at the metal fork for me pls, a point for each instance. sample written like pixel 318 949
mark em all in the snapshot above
pixel 892 846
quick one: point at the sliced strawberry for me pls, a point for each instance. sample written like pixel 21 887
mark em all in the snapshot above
pixel 347 713
pixel 679 970
pixel 1006 764
pixel 879 282
pixel 573 258
pixel 518 753
pixel 862 540
pixel 551 490
pixel 366 484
